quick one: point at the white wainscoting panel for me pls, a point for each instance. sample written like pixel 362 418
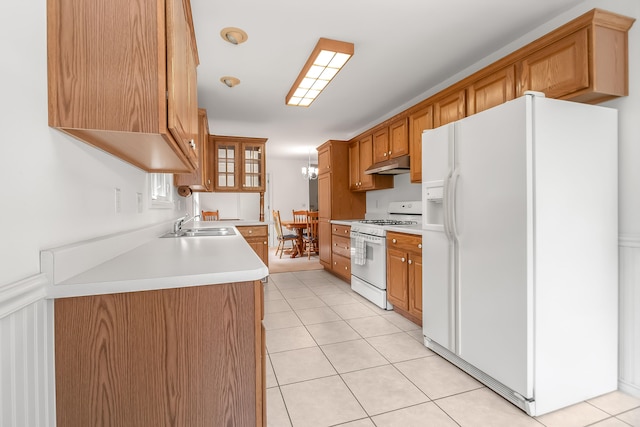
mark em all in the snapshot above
pixel 26 355
pixel 629 369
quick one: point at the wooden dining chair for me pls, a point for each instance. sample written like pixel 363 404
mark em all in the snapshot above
pixel 210 216
pixel 282 238
pixel 300 216
pixel 310 237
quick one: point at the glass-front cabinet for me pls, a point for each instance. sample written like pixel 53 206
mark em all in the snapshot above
pixel 239 163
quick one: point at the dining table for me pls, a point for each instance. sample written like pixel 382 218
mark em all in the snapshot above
pixel 298 227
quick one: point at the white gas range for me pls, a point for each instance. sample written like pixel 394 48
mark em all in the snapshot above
pixel 369 249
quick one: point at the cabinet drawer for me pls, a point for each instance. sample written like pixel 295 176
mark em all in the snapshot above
pixel 341 230
pixel 253 231
pixel 341 265
pixel 341 245
pixel 407 242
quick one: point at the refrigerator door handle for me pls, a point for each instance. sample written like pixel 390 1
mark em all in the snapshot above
pixel 445 207
pixel 453 189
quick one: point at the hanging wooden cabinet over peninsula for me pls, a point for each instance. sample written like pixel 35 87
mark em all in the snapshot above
pixel 122 77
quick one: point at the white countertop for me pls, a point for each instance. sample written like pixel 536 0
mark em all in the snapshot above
pixel 157 263
pixel 408 229
pixel 344 221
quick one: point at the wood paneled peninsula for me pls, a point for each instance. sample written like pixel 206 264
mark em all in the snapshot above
pixel 156 331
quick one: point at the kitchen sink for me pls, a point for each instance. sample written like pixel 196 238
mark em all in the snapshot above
pixel 196 232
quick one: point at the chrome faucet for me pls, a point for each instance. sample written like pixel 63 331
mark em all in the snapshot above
pixel 177 226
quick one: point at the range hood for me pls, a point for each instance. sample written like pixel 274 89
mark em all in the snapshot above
pixel 390 167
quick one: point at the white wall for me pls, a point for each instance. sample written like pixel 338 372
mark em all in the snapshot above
pixel 228 205
pixel 55 190
pixel 403 191
pixel 289 190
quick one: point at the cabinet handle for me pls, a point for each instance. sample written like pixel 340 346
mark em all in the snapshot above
pixel 389 152
pixel 250 231
pixel 264 243
pixel 335 262
pixel 192 144
pixel 419 245
pixel 335 244
pixel 346 247
pixel 394 240
pixel 410 261
pixel 346 231
pixel 346 268
pixel 403 260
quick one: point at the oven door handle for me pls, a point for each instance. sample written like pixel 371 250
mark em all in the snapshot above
pixel 374 240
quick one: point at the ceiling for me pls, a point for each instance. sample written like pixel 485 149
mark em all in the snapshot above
pixel 402 49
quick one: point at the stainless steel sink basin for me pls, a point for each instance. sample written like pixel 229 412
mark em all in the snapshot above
pixel 196 232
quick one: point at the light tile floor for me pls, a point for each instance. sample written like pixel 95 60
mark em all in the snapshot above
pixel 335 359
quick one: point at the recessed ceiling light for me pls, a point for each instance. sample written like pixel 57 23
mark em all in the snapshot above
pixel 233 35
pixel 230 81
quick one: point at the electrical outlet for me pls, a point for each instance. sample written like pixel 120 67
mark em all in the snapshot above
pixel 118 201
pixel 139 195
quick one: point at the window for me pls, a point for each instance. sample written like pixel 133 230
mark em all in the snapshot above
pixel 161 190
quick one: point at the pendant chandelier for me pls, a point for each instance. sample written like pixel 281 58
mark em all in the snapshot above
pixel 309 172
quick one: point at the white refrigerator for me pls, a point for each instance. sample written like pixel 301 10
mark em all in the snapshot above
pixel 520 247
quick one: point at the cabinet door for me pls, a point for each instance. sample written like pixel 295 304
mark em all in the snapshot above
pixel 415 285
pixel 226 156
pixel 418 122
pixel 253 165
pixel 366 160
pixel 381 145
pixel 354 166
pixel 398 138
pixel 324 160
pixel 324 241
pixel 182 103
pixel 260 246
pixel 324 196
pixel 200 179
pixel 558 69
pixel 449 109
pixel 397 291
pixel 492 90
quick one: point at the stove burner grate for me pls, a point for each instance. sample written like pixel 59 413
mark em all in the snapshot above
pixel 387 222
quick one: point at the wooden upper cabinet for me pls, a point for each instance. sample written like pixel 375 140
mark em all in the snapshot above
pixel 126 83
pixel 381 149
pixel 399 138
pixel 558 69
pixel 239 163
pixel 200 179
pixel 354 165
pixel 449 109
pixel 492 90
pixel 324 159
pixel 585 60
pixel 391 141
pixel 419 121
pixel 182 91
pixel 360 158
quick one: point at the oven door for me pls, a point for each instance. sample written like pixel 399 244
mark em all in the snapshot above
pixel 371 267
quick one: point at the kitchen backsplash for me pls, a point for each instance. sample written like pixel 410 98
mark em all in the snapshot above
pixel 378 200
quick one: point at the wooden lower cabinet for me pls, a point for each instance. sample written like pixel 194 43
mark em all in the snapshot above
pixel 404 274
pixel 341 251
pixel 258 238
pixel 191 356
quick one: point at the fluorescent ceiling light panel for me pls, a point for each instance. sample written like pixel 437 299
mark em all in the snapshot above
pixel 327 58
